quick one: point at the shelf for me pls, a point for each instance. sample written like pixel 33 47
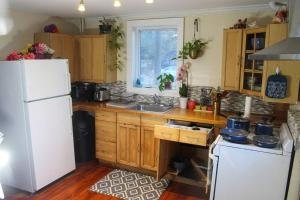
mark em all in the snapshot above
pixel 258 71
pixel 248 70
pixel 188 181
pixel 250 51
pixel 251 92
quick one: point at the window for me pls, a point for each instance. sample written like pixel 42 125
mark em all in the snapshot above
pixel 151 45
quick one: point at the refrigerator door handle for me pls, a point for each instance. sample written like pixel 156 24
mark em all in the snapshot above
pixel 68 79
pixel 70 106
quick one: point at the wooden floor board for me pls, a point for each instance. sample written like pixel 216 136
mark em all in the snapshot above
pixel 75 186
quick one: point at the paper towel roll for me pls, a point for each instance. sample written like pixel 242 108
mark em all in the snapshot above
pixel 247 107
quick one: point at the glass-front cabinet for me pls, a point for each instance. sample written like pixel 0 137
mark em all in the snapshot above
pixel 252 70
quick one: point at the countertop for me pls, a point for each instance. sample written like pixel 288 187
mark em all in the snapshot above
pixel 175 113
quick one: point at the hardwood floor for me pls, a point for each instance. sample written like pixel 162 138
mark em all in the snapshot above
pixel 76 187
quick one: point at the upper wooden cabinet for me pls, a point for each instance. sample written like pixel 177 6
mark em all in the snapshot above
pixel 252 70
pixel 247 76
pixel 97 60
pixel 232 48
pixel 64 47
pixel 276 33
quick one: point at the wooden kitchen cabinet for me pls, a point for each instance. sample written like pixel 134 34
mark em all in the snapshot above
pixel 254 39
pixel 276 33
pixel 232 48
pixel 247 76
pixel 149 144
pixel 128 144
pixel 106 136
pixel 64 47
pixel 97 60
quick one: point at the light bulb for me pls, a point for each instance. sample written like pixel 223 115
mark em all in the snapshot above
pixel 117 3
pixel 149 1
pixel 81 6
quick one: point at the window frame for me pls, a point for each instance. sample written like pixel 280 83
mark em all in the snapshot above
pixel 133 28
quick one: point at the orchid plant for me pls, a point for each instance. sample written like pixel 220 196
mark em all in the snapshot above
pixel 183 77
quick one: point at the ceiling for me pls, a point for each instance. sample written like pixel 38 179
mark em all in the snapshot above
pixel 68 8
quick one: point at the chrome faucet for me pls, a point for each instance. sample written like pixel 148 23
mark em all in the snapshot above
pixel 156 99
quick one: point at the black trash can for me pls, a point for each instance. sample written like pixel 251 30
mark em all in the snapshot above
pixel 84 136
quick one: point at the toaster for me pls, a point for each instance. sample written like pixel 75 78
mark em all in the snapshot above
pixel 102 94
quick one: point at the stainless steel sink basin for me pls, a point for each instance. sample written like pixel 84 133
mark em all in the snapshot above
pixel 150 108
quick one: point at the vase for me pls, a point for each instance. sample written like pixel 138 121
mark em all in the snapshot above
pixel 168 86
pixel 105 29
pixel 194 53
pixel 43 56
pixel 183 102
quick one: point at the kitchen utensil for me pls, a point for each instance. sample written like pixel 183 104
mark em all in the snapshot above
pixel 238 122
pixel 265 141
pixel 264 128
pixel 234 135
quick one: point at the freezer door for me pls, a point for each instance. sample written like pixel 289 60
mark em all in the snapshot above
pixel 45 78
pixel 51 134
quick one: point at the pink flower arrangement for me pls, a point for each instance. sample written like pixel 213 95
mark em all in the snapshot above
pixel 35 51
pixel 182 71
pixel 183 76
pixel 19 56
pixel 40 48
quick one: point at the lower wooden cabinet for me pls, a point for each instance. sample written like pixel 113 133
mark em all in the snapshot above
pixel 149 148
pixel 106 136
pixel 128 144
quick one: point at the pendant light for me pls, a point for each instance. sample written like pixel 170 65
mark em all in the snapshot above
pixel 117 3
pixel 81 6
pixel 149 1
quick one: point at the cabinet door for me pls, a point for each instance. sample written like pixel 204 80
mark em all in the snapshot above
pixel 56 43
pixel 276 33
pixel 69 53
pixel 98 59
pixel 128 144
pixel 232 48
pixel 85 54
pixel 149 148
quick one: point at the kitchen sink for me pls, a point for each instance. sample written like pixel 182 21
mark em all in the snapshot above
pixel 150 107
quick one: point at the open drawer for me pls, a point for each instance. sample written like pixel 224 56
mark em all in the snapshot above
pixel 188 134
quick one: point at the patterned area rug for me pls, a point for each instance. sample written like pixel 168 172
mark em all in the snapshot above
pixel 130 186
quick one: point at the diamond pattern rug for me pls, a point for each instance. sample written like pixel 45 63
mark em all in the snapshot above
pixel 130 186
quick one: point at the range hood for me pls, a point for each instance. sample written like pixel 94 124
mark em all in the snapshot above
pixel 287 49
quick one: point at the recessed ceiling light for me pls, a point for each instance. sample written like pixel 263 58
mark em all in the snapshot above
pixel 149 1
pixel 81 6
pixel 117 3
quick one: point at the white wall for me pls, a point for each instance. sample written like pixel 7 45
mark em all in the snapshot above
pixel 206 70
pixel 17 29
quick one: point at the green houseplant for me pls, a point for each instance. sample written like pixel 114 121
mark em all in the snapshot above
pixel 165 81
pixel 114 28
pixel 192 49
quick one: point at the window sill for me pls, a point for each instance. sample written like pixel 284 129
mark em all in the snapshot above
pixel 153 91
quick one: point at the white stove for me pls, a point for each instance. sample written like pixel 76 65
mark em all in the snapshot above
pixel 246 171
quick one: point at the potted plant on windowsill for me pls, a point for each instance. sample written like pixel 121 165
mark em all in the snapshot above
pixel 182 77
pixel 165 81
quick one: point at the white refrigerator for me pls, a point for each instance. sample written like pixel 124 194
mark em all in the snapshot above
pixel 36 118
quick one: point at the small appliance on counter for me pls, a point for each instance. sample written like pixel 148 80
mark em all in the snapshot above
pixel 102 94
pixel 83 91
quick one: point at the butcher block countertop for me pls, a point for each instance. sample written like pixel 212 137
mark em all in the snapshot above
pixel 175 113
